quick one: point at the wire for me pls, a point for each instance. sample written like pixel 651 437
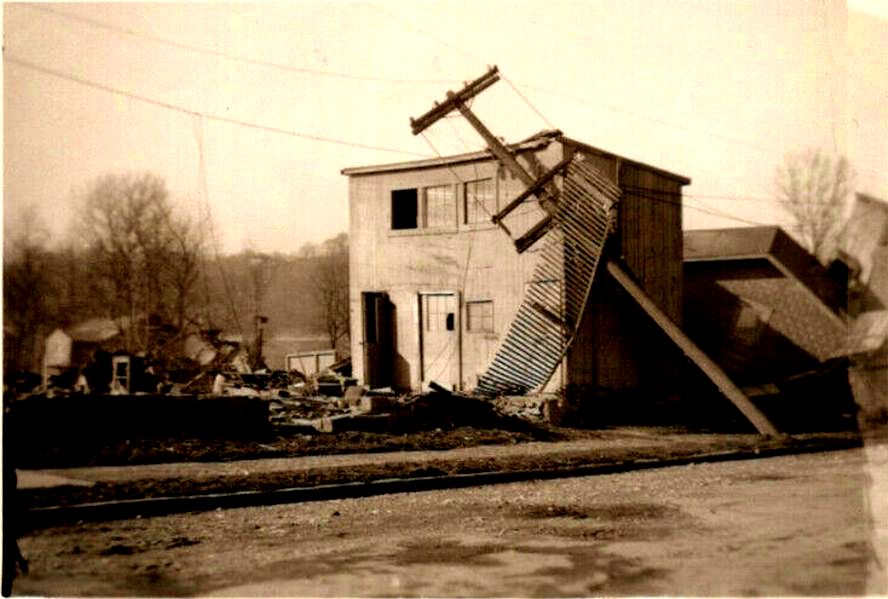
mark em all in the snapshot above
pixel 202 172
pixel 706 210
pixel 191 112
pixel 705 196
pixel 225 55
pixel 646 118
pixel 532 107
pixel 425 33
pixel 575 98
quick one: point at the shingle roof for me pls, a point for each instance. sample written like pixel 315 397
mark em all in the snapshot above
pixel 772 243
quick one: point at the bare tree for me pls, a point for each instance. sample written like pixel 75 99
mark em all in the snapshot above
pixel 814 188
pixel 25 284
pixel 331 290
pixel 147 255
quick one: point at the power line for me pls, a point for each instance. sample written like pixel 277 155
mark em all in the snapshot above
pixel 647 118
pixel 435 38
pixel 191 112
pixel 571 97
pixel 528 102
pixel 325 73
pixel 224 55
pixel 568 96
pixel 705 210
pixel 707 196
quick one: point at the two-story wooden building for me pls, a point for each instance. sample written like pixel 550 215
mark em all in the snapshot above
pixel 435 285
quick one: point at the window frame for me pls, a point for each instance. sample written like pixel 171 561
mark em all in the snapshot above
pixel 488 324
pixel 402 192
pixel 449 211
pixel 467 201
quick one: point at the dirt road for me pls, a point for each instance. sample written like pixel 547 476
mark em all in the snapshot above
pixel 796 525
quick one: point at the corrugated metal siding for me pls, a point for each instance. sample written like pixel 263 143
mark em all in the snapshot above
pixel 555 301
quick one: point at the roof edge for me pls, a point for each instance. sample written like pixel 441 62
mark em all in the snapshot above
pixel 592 149
pixel 534 142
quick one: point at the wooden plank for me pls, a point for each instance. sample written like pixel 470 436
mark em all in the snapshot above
pixel 690 349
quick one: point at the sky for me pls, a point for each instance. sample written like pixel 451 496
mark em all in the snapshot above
pixel 250 111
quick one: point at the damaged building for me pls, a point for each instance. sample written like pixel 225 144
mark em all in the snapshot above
pixel 435 285
pixel 866 248
pixel 459 276
pixel 761 305
pixel 547 264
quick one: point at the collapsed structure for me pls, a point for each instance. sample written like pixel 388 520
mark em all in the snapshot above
pixel 760 305
pixel 540 265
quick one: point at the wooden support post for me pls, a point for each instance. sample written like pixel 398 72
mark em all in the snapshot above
pixel 690 349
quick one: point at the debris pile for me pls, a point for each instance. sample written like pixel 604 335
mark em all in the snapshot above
pixel 382 410
pixel 526 407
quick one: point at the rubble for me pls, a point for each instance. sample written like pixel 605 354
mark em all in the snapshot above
pixel 526 407
pixel 382 410
pixel 331 401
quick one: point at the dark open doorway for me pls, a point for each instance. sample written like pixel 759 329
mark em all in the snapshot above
pixel 378 339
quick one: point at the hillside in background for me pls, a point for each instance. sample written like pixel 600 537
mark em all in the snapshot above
pixel 60 288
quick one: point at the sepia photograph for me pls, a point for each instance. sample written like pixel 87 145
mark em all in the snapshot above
pixel 439 298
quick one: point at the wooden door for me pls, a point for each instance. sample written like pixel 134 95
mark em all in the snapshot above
pixel 439 338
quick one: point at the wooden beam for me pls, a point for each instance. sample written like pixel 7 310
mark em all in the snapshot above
pixel 420 124
pixel 496 147
pixel 690 349
pixel 532 190
pixel 534 234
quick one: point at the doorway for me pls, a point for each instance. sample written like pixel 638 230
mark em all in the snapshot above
pixel 378 339
pixel 439 338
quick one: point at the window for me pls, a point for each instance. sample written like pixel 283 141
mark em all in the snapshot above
pixel 479 201
pixel 479 316
pixel 440 206
pixel 404 209
pixel 436 210
pixel 436 312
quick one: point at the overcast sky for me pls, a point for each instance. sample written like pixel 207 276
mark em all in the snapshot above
pixel 715 90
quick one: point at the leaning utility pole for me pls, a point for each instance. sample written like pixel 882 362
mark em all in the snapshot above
pixel 538 187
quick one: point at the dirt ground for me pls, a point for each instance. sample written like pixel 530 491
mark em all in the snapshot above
pixel 794 525
pixel 594 448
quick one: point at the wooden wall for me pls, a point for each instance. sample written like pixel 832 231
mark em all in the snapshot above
pixel 478 261
pixel 615 347
pixel 651 235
